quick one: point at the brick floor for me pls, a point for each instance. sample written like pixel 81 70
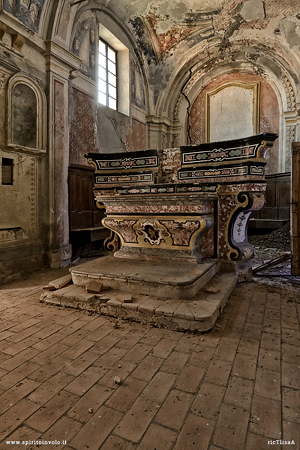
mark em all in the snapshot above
pixel 234 388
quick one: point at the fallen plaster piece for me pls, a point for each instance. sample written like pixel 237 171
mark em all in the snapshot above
pixel 61 282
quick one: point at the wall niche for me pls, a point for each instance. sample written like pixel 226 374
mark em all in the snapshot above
pixel 24 116
pixel 26 126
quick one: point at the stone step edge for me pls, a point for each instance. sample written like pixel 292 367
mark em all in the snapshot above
pixel 197 314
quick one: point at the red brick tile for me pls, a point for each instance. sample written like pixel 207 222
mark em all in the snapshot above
pixel 159 386
pixel 105 344
pixel 231 428
pixel 45 372
pixel 269 359
pixel 249 346
pixel 239 392
pixel 78 365
pixel 85 380
pixel 190 378
pixel 291 337
pixel 244 366
pixel 77 349
pixel 174 409
pixel 291 405
pixel 267 383
pixel 16 393
pixel 45 417
pixel 95 323
pixel 49 354
pixel 121 370
pixel 271 325
pixel 137 419
pixel 46 343
pixel 126 394
pixel 110 358
pixel 290 375
pixel 266 417
pixel 153 336
pixel 96 430
pixel 290 353
pixel 137 353
pixel 202 356
pixel 23 433
pixel 63 430
pixel 188 343
pixel 255 317
pixel 21 345
pixel 17 337
pixel 15 416
pixel 100 333
pixel 12 362
pixel 24 325
pixel 208 401
pixel 117 443
pixel 226 350
pixel 50 388
pixel 270 341
pixel 291 432
pixel 255 441
pixel 163 348
pixel 17 375
pixel 252 331
pixel 157 437
pixel 175 362
pixel 196 433
pixel 218 372
pixel 92 400
pixel 147 368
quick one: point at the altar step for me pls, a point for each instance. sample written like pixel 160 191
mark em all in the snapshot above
pixel 160 278
pixel 196 314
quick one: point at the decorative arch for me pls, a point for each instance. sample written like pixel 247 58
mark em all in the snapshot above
pixel 28 110
pixel 194 76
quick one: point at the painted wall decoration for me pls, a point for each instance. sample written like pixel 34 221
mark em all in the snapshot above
pixel 144 39
pixel 232 111
pixel 84 46
pixel 27 11
pixel 136 136
pixel 137 87
pixel 82 130
pixel 24 116
pixel 268 113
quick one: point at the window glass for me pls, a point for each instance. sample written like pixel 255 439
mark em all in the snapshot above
pixel 107 75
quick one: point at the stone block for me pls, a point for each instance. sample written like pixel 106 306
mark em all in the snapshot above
pixel 94 287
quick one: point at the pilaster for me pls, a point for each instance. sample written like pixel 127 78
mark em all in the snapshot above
pixel 59 64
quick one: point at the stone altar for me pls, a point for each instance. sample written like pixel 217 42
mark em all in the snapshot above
pixel 185 204
pixel 181 216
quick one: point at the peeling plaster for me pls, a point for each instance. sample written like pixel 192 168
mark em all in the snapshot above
pixel 253 10
pixel 292 32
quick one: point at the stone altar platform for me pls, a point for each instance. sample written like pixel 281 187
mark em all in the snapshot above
pixel 162 278
pixel 177 216
pixel 196 314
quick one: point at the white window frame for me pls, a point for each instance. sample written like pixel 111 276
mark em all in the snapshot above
pixel 107 75
pixel 123 69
